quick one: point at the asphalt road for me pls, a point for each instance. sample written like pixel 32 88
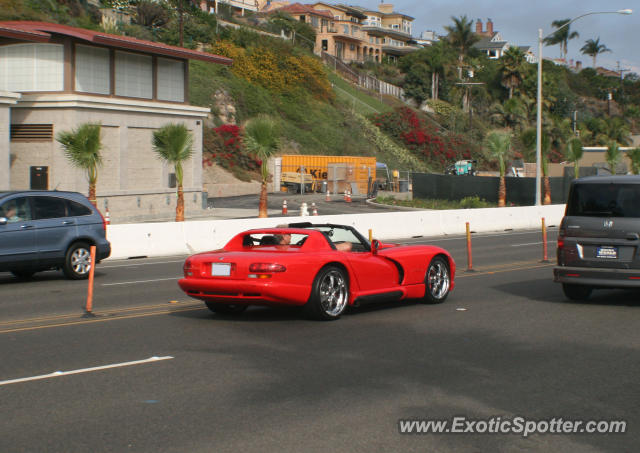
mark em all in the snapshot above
pixel 337 205
pixel 506 343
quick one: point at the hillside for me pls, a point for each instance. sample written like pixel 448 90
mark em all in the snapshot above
pixel 320 113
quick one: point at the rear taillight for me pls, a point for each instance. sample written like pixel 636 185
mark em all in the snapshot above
pixel 560 242
pixel 190 268
pixel 266 267
pixel 104 222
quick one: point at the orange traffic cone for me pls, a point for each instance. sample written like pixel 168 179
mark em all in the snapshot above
pixel 348 196
pixel 328 196
pixel 314 209
pixel 107 217
pixel 284 207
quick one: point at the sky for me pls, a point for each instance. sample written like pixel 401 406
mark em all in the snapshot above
pixel 518 22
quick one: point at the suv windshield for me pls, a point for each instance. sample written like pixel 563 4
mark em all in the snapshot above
pixel 604 200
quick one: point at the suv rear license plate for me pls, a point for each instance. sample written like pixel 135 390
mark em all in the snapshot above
pixel 220 269
pixel 607 252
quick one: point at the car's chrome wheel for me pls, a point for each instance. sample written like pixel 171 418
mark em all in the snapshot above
pixel 330 294
pixel 437 281
pixel 77 263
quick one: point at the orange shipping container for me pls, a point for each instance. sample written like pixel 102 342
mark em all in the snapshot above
pixel 338 171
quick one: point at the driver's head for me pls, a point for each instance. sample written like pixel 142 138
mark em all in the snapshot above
pixel 283 239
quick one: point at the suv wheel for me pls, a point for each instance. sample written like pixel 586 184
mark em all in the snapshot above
pixel 77 262
pixel 576 292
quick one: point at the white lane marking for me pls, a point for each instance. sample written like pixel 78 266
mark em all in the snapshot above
pixel 532 243
pixel 142 281
pixel 84 370
pixel 141 264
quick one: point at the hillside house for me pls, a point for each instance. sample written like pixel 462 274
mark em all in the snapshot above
pixel 352 33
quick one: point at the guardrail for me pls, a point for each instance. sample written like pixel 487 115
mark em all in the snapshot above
pixel 176 238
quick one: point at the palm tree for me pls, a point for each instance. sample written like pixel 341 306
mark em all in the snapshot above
pixel 498 148
pixel 82 147
pixel 261 137
pixel 561 36
pixel 593 48
pixel 634 157
pixel 461 35
pixel 173 144
pixel 512 114
pixel 574 154
pixel 612 155
pixel 512 69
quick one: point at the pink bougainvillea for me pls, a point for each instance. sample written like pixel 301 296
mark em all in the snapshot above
pixel 423 139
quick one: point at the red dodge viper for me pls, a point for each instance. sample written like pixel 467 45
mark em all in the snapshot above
pixel 323 267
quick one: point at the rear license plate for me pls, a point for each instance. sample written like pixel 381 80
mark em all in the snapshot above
pixel 607 252
pixel 220 269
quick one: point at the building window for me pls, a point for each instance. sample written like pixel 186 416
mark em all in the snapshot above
pixel 314 21
pixel 170 80
pixel 32 67
pixel 134 75
pixel 345 29
pixel 92 70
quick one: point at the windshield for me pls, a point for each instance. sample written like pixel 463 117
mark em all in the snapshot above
pixel 604 200
pixel 340 235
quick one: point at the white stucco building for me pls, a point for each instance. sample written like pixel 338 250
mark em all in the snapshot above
pixel 55 77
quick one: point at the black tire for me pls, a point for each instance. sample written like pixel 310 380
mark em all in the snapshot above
pixel 77 261
pixel 329 294
pixel 576 292
pixel 437 281
pixel 226 309
pixel 23 274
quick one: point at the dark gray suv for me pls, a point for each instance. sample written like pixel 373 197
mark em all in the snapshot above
pixel 599 237
pixel 42 230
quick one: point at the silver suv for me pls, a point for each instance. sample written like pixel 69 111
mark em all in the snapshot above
pixel 599 236
pixel 42 230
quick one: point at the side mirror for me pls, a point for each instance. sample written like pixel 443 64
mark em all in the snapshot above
pixel 3 220
pixel 375 245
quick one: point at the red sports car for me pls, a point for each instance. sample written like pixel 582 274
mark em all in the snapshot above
pixel 323 267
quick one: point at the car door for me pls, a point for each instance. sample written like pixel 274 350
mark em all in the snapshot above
pixel 54 228
pixel 17 234
pixel 374 273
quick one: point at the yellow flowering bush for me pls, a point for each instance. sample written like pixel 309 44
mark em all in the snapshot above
pixel 279 72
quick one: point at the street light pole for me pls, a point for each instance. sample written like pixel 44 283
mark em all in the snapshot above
pixel 539 119
pixel 539 97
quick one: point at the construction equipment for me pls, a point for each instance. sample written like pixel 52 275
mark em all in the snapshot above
pixel 463 167
pixel 293 182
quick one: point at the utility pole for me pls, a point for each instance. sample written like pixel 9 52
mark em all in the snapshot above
pixel 620 71
pixel 181 24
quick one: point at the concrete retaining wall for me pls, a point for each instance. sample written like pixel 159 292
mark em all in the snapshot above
pixel 162 239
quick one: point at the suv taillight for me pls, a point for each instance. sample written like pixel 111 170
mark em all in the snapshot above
pixel 104 222
pixel 560 242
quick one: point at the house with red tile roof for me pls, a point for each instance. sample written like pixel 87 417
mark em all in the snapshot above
pixel 55 77
pixel 353 33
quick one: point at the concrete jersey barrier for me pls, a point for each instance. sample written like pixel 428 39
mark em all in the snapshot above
pixel 184 238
